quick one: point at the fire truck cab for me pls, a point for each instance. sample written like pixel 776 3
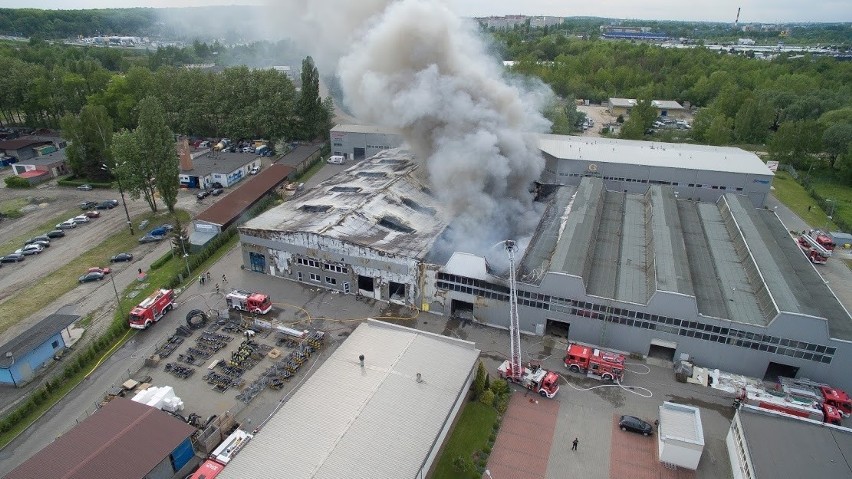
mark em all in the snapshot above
pixel 152 309
pixel 533 377
pixel 593 362
pixel 247 301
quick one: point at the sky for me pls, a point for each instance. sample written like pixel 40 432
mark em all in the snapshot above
pixel 764 11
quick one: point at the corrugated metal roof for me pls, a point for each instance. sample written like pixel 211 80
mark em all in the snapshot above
pixel 17 144
pixel 35 336
pixel 349 128
pixel 377 203
pixel 375 422
pixel 32 173
pixel 227 209
pixel 122 439
pixel 648 153
pixel 679 421
pixel 666 104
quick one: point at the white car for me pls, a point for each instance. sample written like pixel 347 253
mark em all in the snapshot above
pixel 335 159
pixel 30 249
pixel 80 219
pixel 67 224
pixel 254 170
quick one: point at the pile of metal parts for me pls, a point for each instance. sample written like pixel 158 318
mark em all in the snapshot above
pixel 179 371
pixel 282 370
pixel 175 340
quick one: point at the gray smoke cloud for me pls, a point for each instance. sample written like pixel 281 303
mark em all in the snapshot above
pixel 415 66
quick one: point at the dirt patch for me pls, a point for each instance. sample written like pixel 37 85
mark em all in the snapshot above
pixel 526 434
pixel 636 456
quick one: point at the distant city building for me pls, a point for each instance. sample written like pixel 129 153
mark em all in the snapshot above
pixel 669 108
pixel 543 21
pixel 509 21
pixel 631 33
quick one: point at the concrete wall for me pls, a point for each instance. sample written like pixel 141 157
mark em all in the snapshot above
pixel 699 185
pixel 712 342
pixel 344 143
pixel 297 256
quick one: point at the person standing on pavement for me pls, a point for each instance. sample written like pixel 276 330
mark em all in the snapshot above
pixel 574 444
pixel 224 279
pixel 208 276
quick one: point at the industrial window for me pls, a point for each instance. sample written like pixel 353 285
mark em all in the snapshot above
pixel 315 277
pixel 739 189
pixel 308 262
pixel 372 174
pixel 418 207
pixel 330 280
pixel 55 344
pixel 345 189
pixel 334 267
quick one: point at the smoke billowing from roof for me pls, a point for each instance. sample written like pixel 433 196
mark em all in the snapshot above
pixel 415 66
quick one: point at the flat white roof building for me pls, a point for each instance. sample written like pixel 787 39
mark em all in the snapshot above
pixel 376 421
pixel 681 436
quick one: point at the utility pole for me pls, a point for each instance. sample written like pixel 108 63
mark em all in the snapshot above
pixel 120 192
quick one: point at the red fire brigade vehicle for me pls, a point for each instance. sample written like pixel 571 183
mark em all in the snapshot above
pixel 816 251
pixel 819 392
pixel 250 302
pixel 152 309
pixel 782 402
pixel 593 362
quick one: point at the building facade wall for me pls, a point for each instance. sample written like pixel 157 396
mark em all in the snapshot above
pixel 791 340
pixel 333 264
pixel 358 146
pixel 699 185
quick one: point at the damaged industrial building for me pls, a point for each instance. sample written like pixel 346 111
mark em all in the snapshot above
pixel 658 249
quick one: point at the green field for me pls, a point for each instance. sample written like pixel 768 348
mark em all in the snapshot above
pixel 796 197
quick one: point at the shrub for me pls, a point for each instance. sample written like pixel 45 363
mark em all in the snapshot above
pixel 502 404
pixel 16 182
pixel 487 398
pixel 463 464
pixel 500 388
pixel 159 262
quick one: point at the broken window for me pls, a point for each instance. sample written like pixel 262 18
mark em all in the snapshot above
pixel 315 208
pixel 418 207
pixel 395 224
pixel 372 174
pixel 346 189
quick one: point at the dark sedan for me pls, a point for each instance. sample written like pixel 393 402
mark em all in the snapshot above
pixel 55 234
pixel 12 258
pixel 634 424
pixel 120 257
pixel 91 276
pixel 87 205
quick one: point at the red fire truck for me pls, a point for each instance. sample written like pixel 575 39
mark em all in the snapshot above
pixel 247 301
pixel 594 362
pixel 819 392
pixel 780 401
pixel 532 377
pixel 152 309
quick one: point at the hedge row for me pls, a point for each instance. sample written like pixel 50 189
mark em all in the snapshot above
pixel 16 182
pixel 159 262
pixel 75 182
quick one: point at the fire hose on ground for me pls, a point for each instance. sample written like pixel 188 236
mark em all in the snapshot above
pixel 197 319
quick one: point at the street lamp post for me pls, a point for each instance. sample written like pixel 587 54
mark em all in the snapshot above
pixel 121 192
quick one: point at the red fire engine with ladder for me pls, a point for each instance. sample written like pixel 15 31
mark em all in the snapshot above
pixel 534 378
pixel 152 309
pixel 595 363
pixel 781 401
pixel 819 392
pixel 816 247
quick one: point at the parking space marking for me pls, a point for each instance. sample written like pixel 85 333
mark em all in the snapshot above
pixel 526 434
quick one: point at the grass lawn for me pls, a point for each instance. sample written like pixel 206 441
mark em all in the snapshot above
pixel 470 435
pixel 796 197
pixel 51 287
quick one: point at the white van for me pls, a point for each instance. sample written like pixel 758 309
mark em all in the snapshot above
pixel 335 159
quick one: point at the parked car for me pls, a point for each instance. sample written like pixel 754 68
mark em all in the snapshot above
pixel 202 194
pixel 12 258
pixel 216 184
pixel 105 205
pixel 217 191
pixel 34 239
pixel 634 424
pixel 55 234
pixel 121 257
pixel 93 214
pixel 80 219
pixel 42 243
pixel 87 205
pixel 248 149
pixel 149 238
pixel 114 202
pixel 86 187
pixel 335 159
pixel 97 269
pixel 67 224
pixel 254 170
pixel 91 276
pixel 158 231
pixel 30 249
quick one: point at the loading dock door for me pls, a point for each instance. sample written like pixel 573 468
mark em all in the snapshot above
pixel 359 153
pixel 662 349
pixel 776 370
pixel 258 262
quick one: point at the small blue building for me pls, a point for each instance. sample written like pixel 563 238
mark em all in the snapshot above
pixel 22 357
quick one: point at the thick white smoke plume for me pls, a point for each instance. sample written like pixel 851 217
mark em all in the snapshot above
pixel 415 66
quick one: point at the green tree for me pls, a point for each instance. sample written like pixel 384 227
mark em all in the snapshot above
pixel 158 142
pixel 794 140
pixel 132 168
pixel 487 397
pixel 719 132
pixel 309 105
pixel 479 381
pixel 751 125
pixel 836 139
pixel 641 118
pixel 90 136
